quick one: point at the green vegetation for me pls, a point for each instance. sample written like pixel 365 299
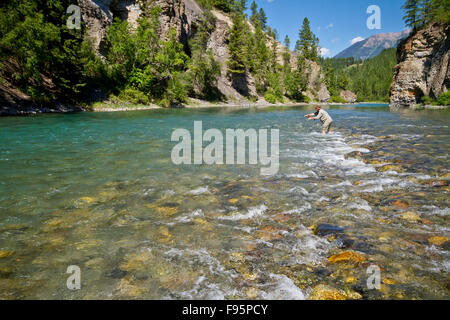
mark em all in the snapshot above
pixel 443 100
pixel 370 80
pixel 39 53
pixel 337 99
pixel 257 53
pixel 49 62
pixel 308 44
pixel 419 13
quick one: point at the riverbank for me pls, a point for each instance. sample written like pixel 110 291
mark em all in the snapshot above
pixel 193 104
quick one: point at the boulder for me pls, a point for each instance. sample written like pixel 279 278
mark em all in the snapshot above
pixel 348 96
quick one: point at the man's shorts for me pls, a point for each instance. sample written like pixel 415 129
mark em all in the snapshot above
pixel 327 126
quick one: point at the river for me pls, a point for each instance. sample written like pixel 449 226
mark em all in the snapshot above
pixel 99 191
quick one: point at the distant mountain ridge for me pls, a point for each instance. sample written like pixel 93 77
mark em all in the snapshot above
pixel 372 46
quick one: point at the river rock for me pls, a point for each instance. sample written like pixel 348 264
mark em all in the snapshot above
pixel 411 216
pixel 348 257
pixel 391 167
pixel 438 183
pixel 126 288
pixel 348 96
pixel 325 292
pixel 400 204
pixel 438 241
pixel 6 253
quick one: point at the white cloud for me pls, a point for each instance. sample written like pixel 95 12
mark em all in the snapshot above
pixel 325 52
pixel 331 25
pixel 357 39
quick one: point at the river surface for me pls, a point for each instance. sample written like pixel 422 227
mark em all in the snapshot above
pixel 99 191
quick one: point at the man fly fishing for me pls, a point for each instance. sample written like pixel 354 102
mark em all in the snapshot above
pixel 324 117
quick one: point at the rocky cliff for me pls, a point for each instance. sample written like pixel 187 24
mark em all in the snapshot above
pixel 183 15
pixel 423 67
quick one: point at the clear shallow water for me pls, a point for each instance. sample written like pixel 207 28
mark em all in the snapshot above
pixel 100 191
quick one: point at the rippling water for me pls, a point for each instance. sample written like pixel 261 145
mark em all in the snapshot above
pixel 100 191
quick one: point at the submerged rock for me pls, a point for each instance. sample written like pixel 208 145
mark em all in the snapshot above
pixel 391 167
pixel 327 229
pixel 325 292
pixel 348 257
pixel 438 241
pixel 400 204
pixel 126 288
pixel 438 183
pixel 411 216
pixel 6 253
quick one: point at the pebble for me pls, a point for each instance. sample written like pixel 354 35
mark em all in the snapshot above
pixel 6 253
pixel 351 257
pixel 438 241
pixel 325 292
pixel 411 216
pixel 400 204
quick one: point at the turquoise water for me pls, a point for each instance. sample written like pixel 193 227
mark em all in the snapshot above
pixel 99 190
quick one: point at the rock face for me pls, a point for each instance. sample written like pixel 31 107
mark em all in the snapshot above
pixel 317 90
pixel 423 67
pixel 349 96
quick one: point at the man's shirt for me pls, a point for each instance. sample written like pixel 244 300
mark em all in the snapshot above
pixel 323 116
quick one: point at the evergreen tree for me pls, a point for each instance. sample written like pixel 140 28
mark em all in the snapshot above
pixel 286 52
pixel 262 18
pixel 238 41
pixel 412 14
pixel 308 43
pixel 254 18
pixel 240 6
pixel 204 70
pixel 440 11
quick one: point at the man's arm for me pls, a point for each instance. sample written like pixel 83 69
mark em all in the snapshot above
pixel 317 116
pixel 312 114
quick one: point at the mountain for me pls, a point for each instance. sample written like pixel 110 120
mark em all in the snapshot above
pixel 371 47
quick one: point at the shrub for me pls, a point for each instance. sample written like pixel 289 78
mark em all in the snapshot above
pixel 306 99
pixel 134 96
pixel 444 99
pixel 337 99
pixel 427 100
pixel 270 97
pixel 176 93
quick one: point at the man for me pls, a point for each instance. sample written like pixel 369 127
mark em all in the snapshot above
pixel 323 116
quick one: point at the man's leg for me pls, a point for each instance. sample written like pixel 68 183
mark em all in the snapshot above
pixel 329 127
pixel 326 127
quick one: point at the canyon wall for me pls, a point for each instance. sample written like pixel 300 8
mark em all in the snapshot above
pixel 423 67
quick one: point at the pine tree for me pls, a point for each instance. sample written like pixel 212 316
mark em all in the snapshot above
pixel 240 6
pixel 412 14
pixel 262 18
pixel 204 70
pixel 308 43
pixel 238 41
pixel 440 10
pixel 254 18
pixel 287 53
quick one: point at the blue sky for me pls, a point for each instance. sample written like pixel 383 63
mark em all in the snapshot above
pixel 335 22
